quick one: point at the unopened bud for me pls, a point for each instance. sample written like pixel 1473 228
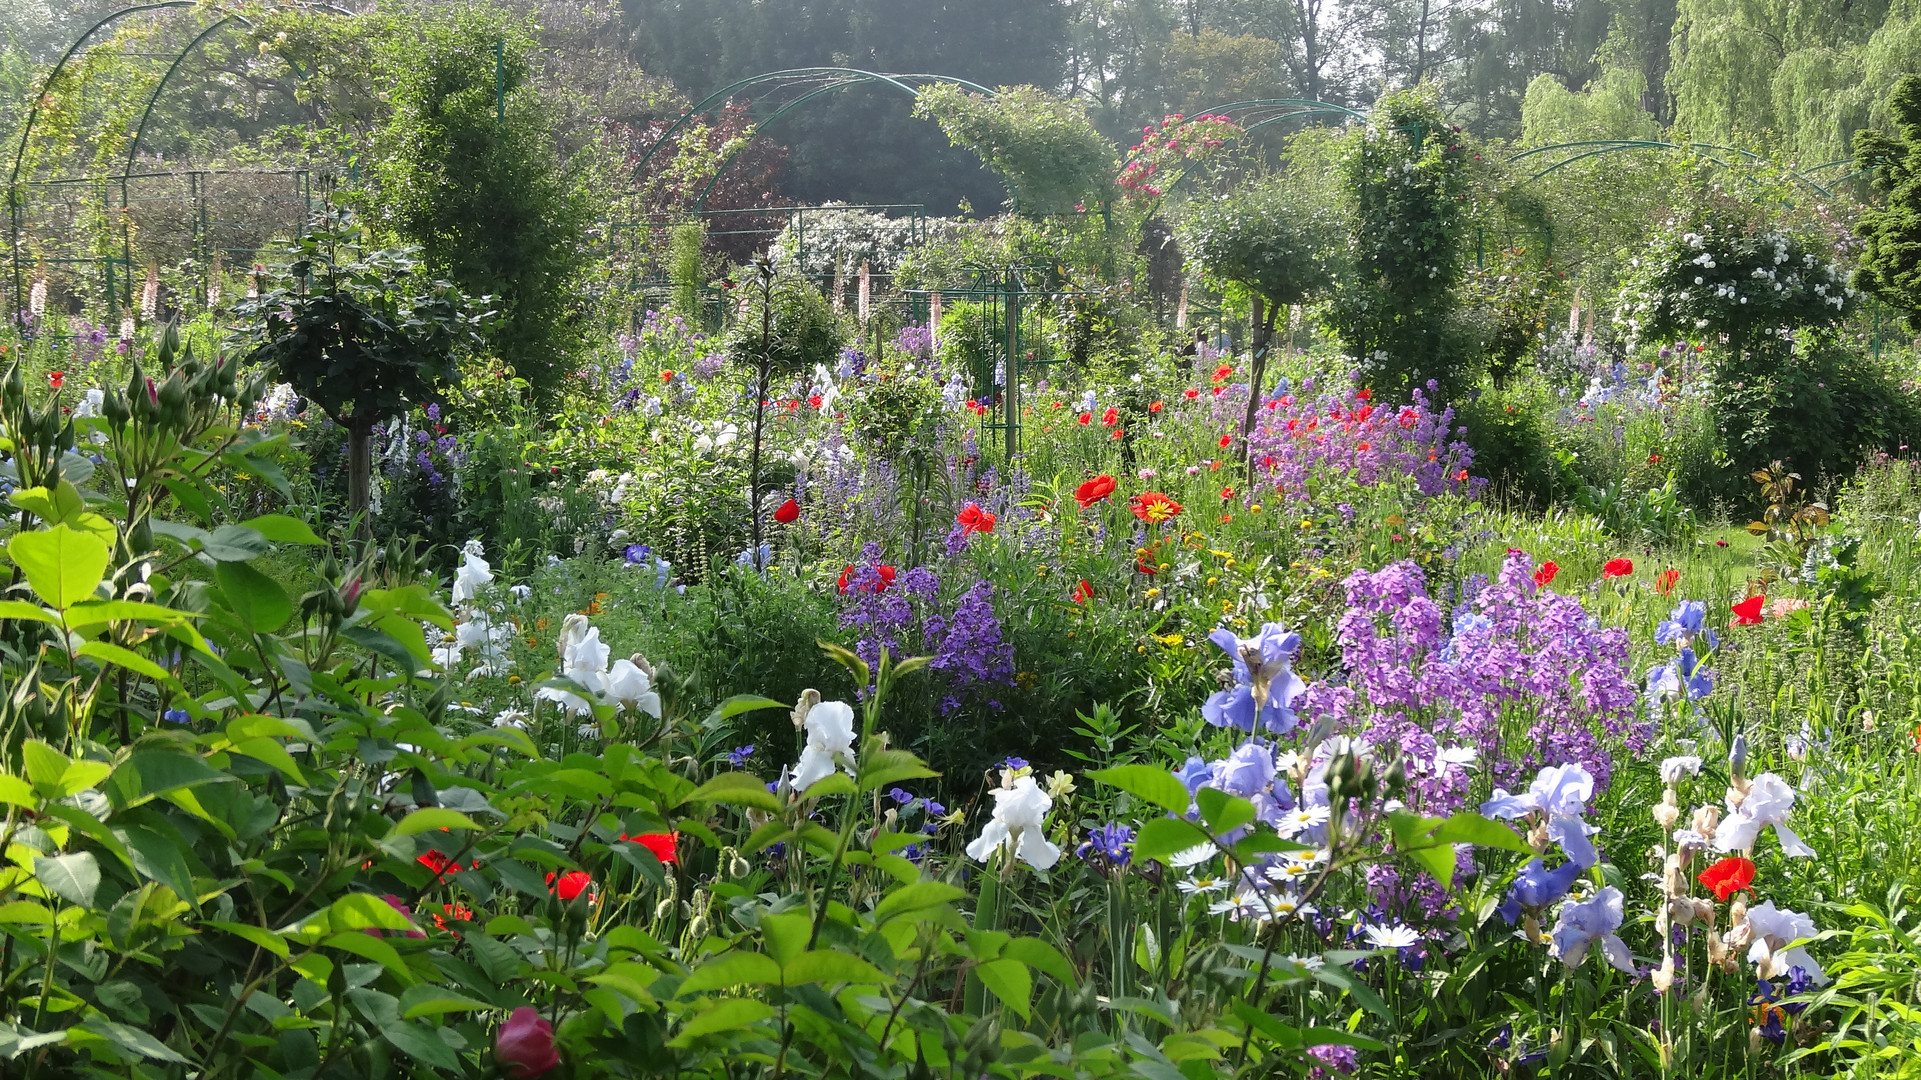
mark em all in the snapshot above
pixel 664 910
pixel 808 699
pixel 1738 757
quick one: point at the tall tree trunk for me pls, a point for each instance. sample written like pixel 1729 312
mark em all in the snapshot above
pixel 1264 316
pixel 360 470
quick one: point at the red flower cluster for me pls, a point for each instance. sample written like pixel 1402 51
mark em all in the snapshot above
pixel 973 519
pixel 887 574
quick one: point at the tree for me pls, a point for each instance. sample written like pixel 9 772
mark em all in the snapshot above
pixel 1276 245
pixel 363 335
pixel 1043 146
pixel 1407 173
pixel 468 171
pixel 1890 265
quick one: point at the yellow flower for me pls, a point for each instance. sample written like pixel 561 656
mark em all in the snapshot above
pixel 1255 509
pixel 1152 593
pixel 1171 639
pixel 1213 581
pixel 1306 524
pixel 1059 784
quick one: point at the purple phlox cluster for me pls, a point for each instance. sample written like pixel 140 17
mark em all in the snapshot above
pixel 969 646
pixel 1264 687
pixel 1302 445
pixel 879 610
pixel 1515 656
pixel 916 341
pixel 1108 847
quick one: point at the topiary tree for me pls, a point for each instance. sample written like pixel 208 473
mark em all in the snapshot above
pixel 364 335
pixel 1407 171
pixel 467 169
pixel 786 325
pixel 1890 265
pixel 1276 245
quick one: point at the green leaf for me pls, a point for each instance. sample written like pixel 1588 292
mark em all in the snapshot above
pixel 132 1039
pixel 74 878
pixel 420 1042
pixel 282 529
pixel 732 969
pixel 880 768
pixel 234 543
pixel 1341 978
pixel 63 566
pixel 264 938
pixel 431 818
pixel 1468 827
pixel 828 966
pixel 1039 954
pixel 1164 836
pixel 1010 981
pixel 21 609
pixel 916 897
pixel 430 1000
pixel 108 653
pixel 728 1015
pixel 1147 782
pixel 364 911
pixel 158 858
pixel 1223 812
pixel 736 789
pixel 256 600
pixel 17 792
pixel 271 751
pixel 45 765
pixel 369 947
pixel 741 703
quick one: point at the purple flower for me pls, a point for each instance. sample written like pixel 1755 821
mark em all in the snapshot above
pixel 1014 763
pixel 1108 847
pixel 1537 887
pixel 1332 1059
pixel 737 757
pixel 175 716
pixel 638 553
pixel 1265 685
pixel 969 647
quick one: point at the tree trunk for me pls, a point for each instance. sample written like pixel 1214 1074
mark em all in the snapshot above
pixel 1264 316
pixel 360 471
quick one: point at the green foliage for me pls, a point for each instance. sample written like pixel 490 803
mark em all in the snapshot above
pixel 1051 158
pixel 1723 273
pixel 895 414
pixel 1890 263
pixel 686 268
pixel 1266 238
pixel 467 170
pixel 1408 172
pixel 1821 409
pixel 786 325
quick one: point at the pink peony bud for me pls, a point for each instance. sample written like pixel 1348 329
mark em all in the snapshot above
pixel 525 1044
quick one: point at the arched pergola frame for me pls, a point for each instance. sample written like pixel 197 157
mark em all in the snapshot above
pixel 1582 149
pixel 797 86
pixel 1251 115
pixel 15 200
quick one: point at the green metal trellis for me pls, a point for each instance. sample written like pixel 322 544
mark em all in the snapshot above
pixel 1587 148
pixel 116 270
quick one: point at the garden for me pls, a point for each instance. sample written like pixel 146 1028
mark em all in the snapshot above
pixel 495 589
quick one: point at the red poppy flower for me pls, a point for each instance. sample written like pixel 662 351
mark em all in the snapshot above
pixel 453 913
pixel 1545 573
pixel 1461 476
pixel 439 863
pixel 886 577
pixel 662 844
pixel 1110 417
pixel 814 400
pixel 1093 491
pixel 1145 567
pixel 1222 372
pixel 1617 568
pixel 788 513
pixel 1226 441
pixel 571 884
pixel 1083 592
pixel 973 519
pixel 667 376
pixel 1154 407
pixel 1654 459
pixel 1748 612
pixel 1364 395
pixel 57 378
pixel 1084 419
pixel 1190 394
pixel 1155 508
pixel 1227 492
pixel 1664 581
pixel 1727 877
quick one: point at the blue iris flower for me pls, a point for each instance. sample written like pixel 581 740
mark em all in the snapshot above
pixel 1263 665
pixel 1687 621
pixel 1538 887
